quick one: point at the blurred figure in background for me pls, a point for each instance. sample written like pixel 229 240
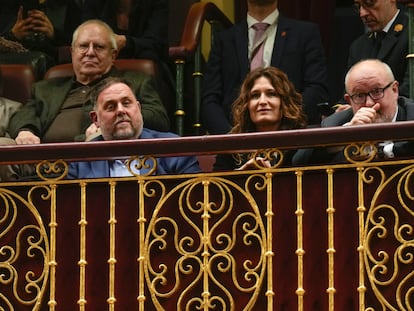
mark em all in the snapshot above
pixel 265 38
pixel 141 29
pixel 386 38
pixel 41 26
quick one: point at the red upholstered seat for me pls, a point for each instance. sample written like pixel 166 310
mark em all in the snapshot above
pixel 17 80
pixel 142 65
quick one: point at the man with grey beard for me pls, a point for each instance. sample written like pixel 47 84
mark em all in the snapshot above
pixel 372 92
pixel 117 113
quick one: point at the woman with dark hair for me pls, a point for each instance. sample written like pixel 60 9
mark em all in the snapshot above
pixel 268 101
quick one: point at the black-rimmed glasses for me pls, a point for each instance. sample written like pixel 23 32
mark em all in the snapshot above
pixel 375 94
pixel 98 48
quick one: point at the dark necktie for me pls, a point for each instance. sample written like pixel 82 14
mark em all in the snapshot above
pixel 378 37
pixel 258 45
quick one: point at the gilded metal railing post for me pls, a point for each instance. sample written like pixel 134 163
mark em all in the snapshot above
pixel 206 294
pixel 410 55
pixel 300 252
pixel 141 238
pixel 53 263
pixel 112 258
pixel 270 293
pixel 82 249
pixel 361 247
pixel 331 241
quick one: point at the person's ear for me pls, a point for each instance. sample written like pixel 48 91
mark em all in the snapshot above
pixel 347 98
pixel 93 116
pixel 114 54
pixel 395 86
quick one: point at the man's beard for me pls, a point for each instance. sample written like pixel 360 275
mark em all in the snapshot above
pixel 124 133
pixel 382 118
pixel 130 134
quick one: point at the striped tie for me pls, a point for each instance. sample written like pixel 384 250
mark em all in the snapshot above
pixel 258 45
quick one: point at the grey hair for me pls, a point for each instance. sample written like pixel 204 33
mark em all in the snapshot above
pixel 108 28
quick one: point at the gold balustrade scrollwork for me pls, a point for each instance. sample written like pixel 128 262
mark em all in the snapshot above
pixel 24 251
pixel 206 235
pixel 274 156
pixel 390 221
pixel 360 153
pixel 52 171
pixel 135 165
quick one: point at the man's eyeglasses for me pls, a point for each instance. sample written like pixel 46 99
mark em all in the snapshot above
pixel 98 48
pixel 375 94
pixel 366 4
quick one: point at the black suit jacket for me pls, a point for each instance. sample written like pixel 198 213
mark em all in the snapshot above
pixel 147 36
pixel 298 51
pixel 393 51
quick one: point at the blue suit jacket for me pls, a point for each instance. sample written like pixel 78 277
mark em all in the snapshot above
pixel 298 51
pixel 166 165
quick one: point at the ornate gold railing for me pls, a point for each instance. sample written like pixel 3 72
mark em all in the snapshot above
pixel 326 237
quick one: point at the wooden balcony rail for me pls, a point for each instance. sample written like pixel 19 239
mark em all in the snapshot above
pixel 323 237
pixel 208 144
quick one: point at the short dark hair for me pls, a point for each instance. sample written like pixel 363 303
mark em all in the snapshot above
pixel 103 85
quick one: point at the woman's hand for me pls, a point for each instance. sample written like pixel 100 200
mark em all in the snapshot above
pixel 256 163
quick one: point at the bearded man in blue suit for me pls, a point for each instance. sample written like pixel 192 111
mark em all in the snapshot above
pixel 117 114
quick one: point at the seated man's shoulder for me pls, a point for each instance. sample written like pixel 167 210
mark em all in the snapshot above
pixel 134 75
pixel 338 118
pixel 58 81
pixel 298 24
pixel 7 108
pixel 148 133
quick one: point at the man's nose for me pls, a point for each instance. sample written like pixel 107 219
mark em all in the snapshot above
pixel 120 109
pixel 91 48
pixel 369 102
pixel 363 11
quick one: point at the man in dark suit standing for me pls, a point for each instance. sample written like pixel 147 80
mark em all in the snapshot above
pixel 293 46
pixel 386 39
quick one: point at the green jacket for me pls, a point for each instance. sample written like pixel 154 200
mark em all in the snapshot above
pixel 48 96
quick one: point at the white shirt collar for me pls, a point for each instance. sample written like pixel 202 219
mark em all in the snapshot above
pixel 388 26
pixel 270 19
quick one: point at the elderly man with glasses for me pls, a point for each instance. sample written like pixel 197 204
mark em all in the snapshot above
pixel 372 92
pixel 59 108
pixel 386 38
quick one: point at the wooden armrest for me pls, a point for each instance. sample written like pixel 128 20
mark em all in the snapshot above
pixel 199 13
